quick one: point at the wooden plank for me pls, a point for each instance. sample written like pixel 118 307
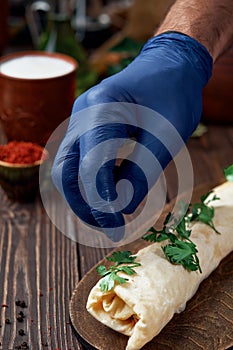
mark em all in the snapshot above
pixel 38 265
pixel 211 153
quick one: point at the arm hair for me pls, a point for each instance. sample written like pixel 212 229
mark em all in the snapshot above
pixel 208 21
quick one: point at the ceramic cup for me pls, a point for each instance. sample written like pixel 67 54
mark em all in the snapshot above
pixel 37 91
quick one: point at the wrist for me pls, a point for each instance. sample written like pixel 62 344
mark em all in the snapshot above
pixel 180 46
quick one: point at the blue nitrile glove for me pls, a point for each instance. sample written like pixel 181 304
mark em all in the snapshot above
pixel 167 77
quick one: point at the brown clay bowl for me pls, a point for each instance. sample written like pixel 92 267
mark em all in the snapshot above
pixel 21 181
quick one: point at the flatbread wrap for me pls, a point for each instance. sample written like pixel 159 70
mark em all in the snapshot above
pixel 142 306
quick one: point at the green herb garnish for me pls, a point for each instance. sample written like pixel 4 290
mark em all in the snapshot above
pixel 124 261
pixel 183 253
pixel 228 172
pixel 181 250
pixel 203 212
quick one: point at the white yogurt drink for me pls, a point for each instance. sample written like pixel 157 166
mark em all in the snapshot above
pixel 36 67
pixel 37 93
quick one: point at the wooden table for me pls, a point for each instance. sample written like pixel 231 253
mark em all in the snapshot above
pixel 41 266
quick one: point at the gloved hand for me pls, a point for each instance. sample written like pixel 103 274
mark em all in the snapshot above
pixel 167 77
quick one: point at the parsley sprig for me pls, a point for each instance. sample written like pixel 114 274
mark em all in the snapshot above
pixel 228 172
pixel 203 211
pixel 181 250
pixel 124 261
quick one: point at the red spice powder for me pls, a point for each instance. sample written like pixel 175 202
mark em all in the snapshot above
pixel 19 152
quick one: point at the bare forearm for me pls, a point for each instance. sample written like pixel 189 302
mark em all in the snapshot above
pixel 208 21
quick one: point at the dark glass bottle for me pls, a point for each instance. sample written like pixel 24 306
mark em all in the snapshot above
pixel 59 36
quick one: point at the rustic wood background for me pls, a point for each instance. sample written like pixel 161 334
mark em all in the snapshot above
pixel 40 266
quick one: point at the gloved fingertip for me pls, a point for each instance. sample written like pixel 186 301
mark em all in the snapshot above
pixel 112 224
pixel 116 234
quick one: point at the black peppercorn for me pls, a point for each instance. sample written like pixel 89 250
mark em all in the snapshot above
pixel 7 321
pixel 21 332
pixel 19 318
pixel 23 304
